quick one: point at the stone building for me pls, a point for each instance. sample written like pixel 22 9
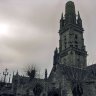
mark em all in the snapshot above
pixel 70 75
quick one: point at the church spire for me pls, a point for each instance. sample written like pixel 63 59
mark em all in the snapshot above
pixel 46 74
pixel 79 15
pixel 17 73
pixel 79 20
pixel 62 16
pixel 55 59
pixel 62 21
pixel 70 16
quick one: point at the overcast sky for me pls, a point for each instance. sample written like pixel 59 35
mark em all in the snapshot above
pixel 31 33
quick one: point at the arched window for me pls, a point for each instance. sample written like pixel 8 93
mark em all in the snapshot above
pixel 65 44
pixel 76 42
pixel 76 46
pixel 76 36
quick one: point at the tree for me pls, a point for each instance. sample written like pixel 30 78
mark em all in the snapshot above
pixel 31 71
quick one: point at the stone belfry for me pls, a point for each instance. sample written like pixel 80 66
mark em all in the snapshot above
pixel 72 50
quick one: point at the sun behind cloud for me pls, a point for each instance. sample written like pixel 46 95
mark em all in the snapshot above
pixel 4 29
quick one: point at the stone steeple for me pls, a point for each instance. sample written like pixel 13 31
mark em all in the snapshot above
pixel 70 16
pixel 72 50
pixel 46 74
pixel 79 20
pixel 61 22
pixel 56 57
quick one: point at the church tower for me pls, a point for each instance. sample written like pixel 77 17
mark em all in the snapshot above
pixel 72 50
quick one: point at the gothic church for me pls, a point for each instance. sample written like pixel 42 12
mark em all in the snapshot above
pixel 70 75
pixel 70 72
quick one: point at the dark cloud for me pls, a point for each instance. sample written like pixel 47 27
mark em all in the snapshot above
pixel 33 33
